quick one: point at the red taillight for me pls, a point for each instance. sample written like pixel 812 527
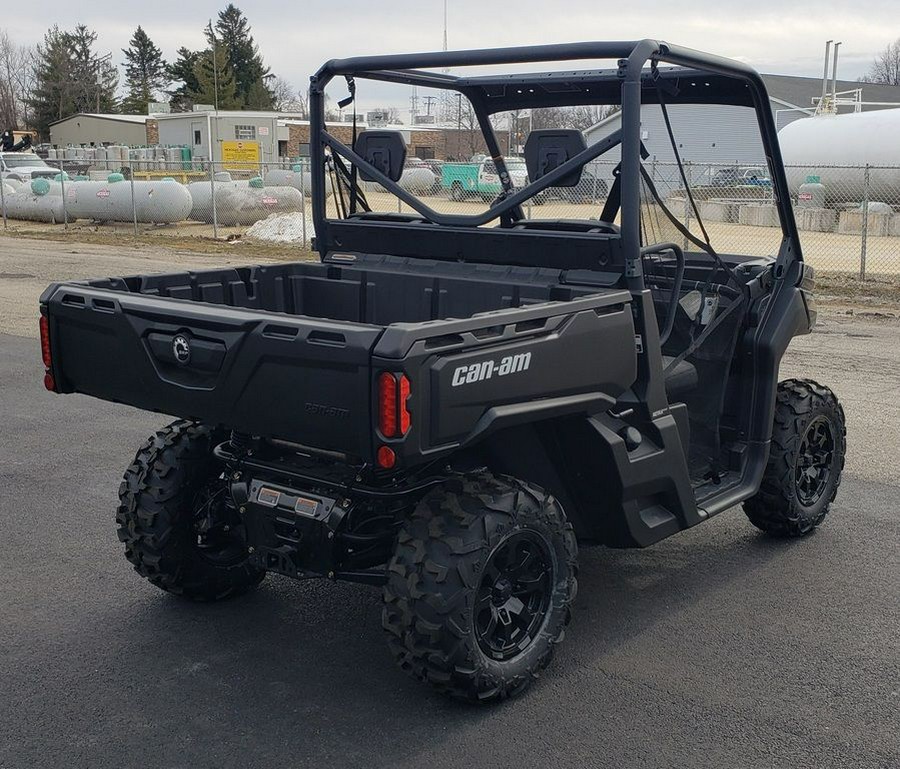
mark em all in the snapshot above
pixel 405 420
pixel 393 415
pixel 45 341
pixel 387 405
pixel 49 381
pixel 386 457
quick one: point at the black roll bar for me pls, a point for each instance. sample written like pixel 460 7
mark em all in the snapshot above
pixel 631 57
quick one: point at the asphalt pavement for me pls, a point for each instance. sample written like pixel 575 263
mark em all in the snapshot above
pixel 719 647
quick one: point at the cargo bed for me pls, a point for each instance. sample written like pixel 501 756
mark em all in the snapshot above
pixel 291 351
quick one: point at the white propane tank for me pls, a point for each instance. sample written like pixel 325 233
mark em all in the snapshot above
pixel 160 202
pixel 41 201
pixel 241 203
pixel 296 178
pixel 820 143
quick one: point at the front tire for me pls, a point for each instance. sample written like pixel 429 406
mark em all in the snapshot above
pixel 180 530
pixel 480 587
pixel 806 459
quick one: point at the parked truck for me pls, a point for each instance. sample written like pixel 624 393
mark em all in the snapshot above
pixel 480 178
pixel 448 410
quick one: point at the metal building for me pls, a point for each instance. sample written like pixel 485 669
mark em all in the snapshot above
pixel 719 135
pixel 229 132
pixel 94 129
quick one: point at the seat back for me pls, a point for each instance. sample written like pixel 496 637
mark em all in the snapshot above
pixel 548 148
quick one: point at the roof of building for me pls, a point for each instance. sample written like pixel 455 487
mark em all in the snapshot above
pixel 231 113
pixel 801 91
pixel 104 116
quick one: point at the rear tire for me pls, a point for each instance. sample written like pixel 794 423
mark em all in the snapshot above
pixel 456 192
pixel 806 458
pixel 180 531
pixel 480 587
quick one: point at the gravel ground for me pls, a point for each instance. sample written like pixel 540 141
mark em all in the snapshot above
pixel 718 647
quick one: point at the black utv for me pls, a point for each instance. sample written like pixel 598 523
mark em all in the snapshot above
pixel 448 410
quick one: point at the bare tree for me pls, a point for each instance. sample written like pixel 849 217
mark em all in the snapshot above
pixel 16 81
pixel 388 115
pixel 286 99
pixel 585 116
pixel 456 112
pixel 886 67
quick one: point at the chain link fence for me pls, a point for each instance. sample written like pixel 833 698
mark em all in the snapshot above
pixel 849 217
pixel 162 198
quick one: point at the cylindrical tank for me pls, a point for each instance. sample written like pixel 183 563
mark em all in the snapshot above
pixel 239 203
pixel 161 202
pixel 298 179
pixel 837 148
pixel 811 193
pixel 44 203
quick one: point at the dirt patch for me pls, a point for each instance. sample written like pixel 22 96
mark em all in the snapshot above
pixel 874 298
pixel 231 244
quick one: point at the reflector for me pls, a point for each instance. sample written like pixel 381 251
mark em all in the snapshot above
pixel 386 457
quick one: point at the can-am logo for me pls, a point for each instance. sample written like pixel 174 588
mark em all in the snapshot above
pixel 478 372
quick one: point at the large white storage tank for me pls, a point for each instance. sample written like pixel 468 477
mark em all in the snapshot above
pixel 824 142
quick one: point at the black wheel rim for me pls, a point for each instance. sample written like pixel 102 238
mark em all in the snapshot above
pixel 814 460
pixel 514 595
pixel 218 535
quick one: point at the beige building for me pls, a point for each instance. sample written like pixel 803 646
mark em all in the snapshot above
pixel 89 129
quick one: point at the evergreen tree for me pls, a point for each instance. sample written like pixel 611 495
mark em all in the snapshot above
pixel 94 79
pixel 145 72
pixel 181 71
pixel 215 81
pixel 233 32
pixel 51 98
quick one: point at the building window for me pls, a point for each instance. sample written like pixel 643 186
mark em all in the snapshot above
pixel 425 153
pixel 197 138
pixel 303 150
pixel 245 132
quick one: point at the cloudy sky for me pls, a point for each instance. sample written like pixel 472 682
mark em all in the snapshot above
pixel 295 38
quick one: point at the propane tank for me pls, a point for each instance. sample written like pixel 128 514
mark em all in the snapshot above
pixel 241 203
pixel 811 193
pixel 837 149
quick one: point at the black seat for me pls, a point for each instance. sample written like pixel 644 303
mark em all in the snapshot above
pixel 681 379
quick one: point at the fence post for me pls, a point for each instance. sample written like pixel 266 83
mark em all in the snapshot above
pixel 688 176
pixel 212 190
pixel 62 192
pixel 865 225
pixel 133 203
pixel 303 202
pixel 3 200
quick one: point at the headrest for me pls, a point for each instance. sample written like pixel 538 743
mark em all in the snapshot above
pixel 385 150
pixel 548 148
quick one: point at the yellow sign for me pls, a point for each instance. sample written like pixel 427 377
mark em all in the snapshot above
pixel 240 155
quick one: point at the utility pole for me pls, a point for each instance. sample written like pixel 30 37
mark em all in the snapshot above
pixel 215 63
pixel 458 126
pixel 99 64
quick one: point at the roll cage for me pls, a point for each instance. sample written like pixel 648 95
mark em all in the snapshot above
pixel 694 77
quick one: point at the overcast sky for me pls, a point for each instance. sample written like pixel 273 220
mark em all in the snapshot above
pixel 774 36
